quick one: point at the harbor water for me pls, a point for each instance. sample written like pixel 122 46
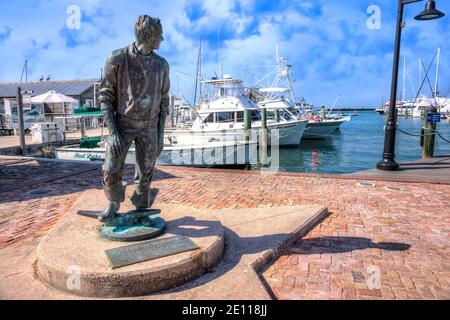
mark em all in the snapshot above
pixel 358 146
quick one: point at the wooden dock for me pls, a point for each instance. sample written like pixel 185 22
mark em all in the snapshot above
pixel 432 170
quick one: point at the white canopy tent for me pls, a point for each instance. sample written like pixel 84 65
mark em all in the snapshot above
pixel 53 97
pixel 57 105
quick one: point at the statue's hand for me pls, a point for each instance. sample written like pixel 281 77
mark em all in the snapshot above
pixel 117 145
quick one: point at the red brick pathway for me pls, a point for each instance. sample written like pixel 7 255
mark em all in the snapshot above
pixel 400 229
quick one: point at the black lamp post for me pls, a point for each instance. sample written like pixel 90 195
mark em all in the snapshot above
pixel 387 162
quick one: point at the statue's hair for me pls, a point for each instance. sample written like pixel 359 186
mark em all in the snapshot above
pixel 147 26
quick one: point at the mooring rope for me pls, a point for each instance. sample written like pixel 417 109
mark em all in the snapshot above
pixel 425 134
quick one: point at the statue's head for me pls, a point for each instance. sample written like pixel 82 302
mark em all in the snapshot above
pixel 148 31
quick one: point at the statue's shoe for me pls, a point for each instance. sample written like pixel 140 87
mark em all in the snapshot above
pixel 110 212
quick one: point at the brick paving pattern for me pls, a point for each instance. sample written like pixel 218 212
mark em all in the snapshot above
pixel 400 230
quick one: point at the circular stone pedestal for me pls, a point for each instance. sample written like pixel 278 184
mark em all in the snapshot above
pixel 146 228
pixel 72 258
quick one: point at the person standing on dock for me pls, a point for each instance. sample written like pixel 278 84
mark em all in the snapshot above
pixel 134 98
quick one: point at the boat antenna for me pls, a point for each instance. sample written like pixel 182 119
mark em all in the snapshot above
pixel 197 76
pixel 334 104
pixel 24 71
pixel 200 71
pixel 253 74
pixel 219 59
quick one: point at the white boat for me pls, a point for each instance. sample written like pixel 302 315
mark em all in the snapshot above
pixel 404 108
pixel 280 96
pixel 183 114
pixel 443 106
pixel 445 111
pixel 421 106
pixel 222 118
pixel 381 110
pixel 316 128
pixel 229 153
pixel 307 107
pixel 323 128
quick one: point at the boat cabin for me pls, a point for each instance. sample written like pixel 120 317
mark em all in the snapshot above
pixel 226 105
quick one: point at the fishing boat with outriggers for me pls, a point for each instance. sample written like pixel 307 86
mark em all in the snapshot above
pixel 221 118
pixel 280 98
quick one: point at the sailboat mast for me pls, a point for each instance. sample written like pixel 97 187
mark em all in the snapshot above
pixel 197 76
pixel 200 71
pixel 404 80
pixel 420 77
pixel 277 52
pixel 196 80
pixel 436 85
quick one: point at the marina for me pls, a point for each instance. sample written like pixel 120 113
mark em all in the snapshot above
pixel 354 147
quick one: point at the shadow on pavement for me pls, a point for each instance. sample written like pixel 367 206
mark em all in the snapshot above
pixel 343 244
pixel 40 178
pixel 236 247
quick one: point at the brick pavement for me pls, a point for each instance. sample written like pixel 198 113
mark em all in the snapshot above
pixel 400 229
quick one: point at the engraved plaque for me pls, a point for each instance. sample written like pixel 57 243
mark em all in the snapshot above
pixel 149 250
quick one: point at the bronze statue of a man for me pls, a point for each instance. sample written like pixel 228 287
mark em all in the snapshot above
pixel 134 98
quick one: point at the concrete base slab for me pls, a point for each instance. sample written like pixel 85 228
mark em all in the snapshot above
pixel 431 170
pixel 72 256
pixel 253 237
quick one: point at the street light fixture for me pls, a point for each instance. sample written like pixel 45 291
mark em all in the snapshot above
pixel 387 162
pixel 430 12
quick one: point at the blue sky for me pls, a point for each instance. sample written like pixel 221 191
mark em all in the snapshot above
pixel 328 43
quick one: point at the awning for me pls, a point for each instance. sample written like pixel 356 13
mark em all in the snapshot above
pixel 52 97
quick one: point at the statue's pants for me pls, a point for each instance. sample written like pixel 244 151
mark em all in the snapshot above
pixel 145 136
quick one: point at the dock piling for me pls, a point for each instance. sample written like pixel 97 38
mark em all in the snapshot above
pixel 247 125
pixel 21 121
pixel 277 115
pixel 263 138
pixel 429 134
pixel 83 128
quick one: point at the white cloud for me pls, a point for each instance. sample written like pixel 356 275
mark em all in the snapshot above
pixel 331 53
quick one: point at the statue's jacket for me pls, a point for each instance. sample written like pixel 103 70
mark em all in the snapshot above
pixel 135 86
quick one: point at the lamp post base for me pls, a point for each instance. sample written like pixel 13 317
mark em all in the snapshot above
pixel 387 165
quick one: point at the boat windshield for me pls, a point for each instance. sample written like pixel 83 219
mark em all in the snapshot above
pixel 282 113
pixel 255 114
pixel 295 111
pixel 226 90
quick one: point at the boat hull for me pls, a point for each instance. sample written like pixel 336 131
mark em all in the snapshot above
pixel 289 133
pixel 321 130
pixel 212 155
